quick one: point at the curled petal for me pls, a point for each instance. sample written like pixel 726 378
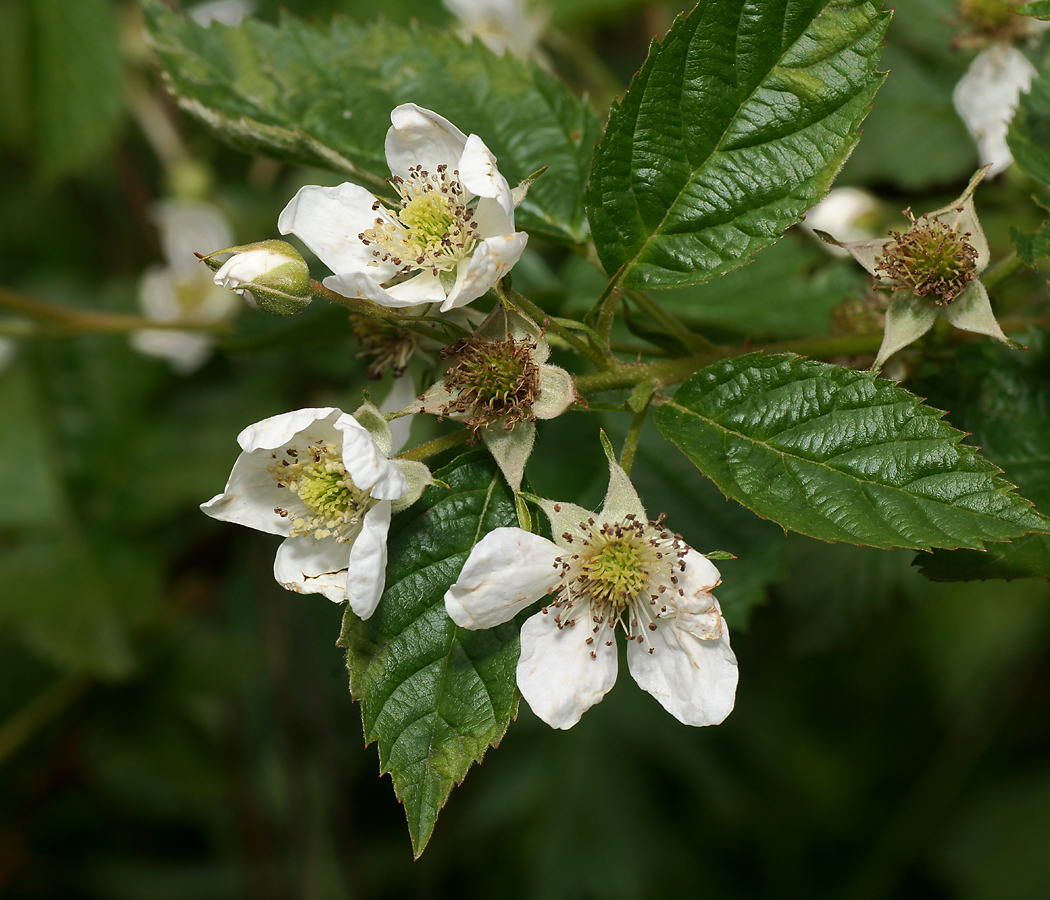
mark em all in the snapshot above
pixel 493 258
pixel 692 678
pixel 419 136
pixel 415 291
pixel 366 574
pixel 907 319
pixel 700 574
pixel 556 393
pixel 310 566
pixel 369 469
pixel 507 570
pixel 557 674
pixel 478 172
pixel 328 220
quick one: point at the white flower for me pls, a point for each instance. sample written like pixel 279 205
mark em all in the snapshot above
pixel 935 269
pixel 322 480
pixel 7 352
pixel 986 98
pixel 182 290
pixel 499 383
pixel 499 24
pixel 603 570
pixel 448 241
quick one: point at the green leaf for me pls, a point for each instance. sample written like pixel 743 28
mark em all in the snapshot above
pixel 77 79
pixel 1032 247
pixel 1029 134
pixel 735 126
pixel 841 455
pixel 433 695
pixel 1039 10
pixel 322 96
pixel 1003 399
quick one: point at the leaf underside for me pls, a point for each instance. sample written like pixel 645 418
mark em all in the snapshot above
pixel 433 695
pixel 734 127
pixel 322 96
pixel 841 455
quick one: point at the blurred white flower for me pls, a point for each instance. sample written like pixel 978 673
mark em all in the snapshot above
pixel 7 352
pixel 499 24
pixel 321 479
pixel 228 12
pixel 438 245
pixel 183 289
pixel 845 212
pixel 986 98
pixel 604 570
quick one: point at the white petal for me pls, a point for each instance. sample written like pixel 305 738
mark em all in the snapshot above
pixel 493 258
pixel 908 319
pixel 420 137
pixel 365 465
pixel 986 98
pixel 557 675
pixel 185 228
pixel 478 172
pixel 184 350
pixel 621 500
pixel 972 311
pixel 701 575
pixel 423 287
pixel 556 395
pixel 277 431
pixel 507 570
pixel 328 220
pixel 364 286
pixel 366 575
pixel 693 679
pixel 244 268
pixel 307 565
pixel 251 493
pixel 402 394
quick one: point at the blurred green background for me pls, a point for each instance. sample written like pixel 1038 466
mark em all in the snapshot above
pixel 173 725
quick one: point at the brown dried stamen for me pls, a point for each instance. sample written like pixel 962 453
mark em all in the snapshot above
pixel 492 380
pixel 390 346
pixel 931 259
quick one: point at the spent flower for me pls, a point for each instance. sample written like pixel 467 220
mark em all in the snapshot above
pixel 321 479
pixel 614 569
pixel 934 269
pixel 498 383
pixel 448 239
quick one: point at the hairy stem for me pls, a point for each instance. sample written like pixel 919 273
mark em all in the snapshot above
pixel 436 446
pixel 573 340
pixel 1001 270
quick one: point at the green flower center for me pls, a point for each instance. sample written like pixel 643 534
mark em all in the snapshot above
pixel 618 572
pixel 434 228
pixel 492 380
pixel 334 505
pixel 931 259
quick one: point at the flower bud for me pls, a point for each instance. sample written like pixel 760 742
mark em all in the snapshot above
pixel 269 275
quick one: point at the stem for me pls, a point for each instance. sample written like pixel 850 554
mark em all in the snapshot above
pixel 436 446
pixel 671 324
pixel 630 444
pixel 577 343
pixel 609 300
pixel 1001 270
pixel 361 307
pixel 68 319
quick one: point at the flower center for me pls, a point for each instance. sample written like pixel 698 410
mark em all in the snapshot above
pixel 931 259
pixel 625 573
pixel 389 346
pixel 334 505
pixel 434 228
pixel 492 380
pixel 989 16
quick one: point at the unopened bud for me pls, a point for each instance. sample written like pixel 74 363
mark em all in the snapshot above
pixel 270 275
